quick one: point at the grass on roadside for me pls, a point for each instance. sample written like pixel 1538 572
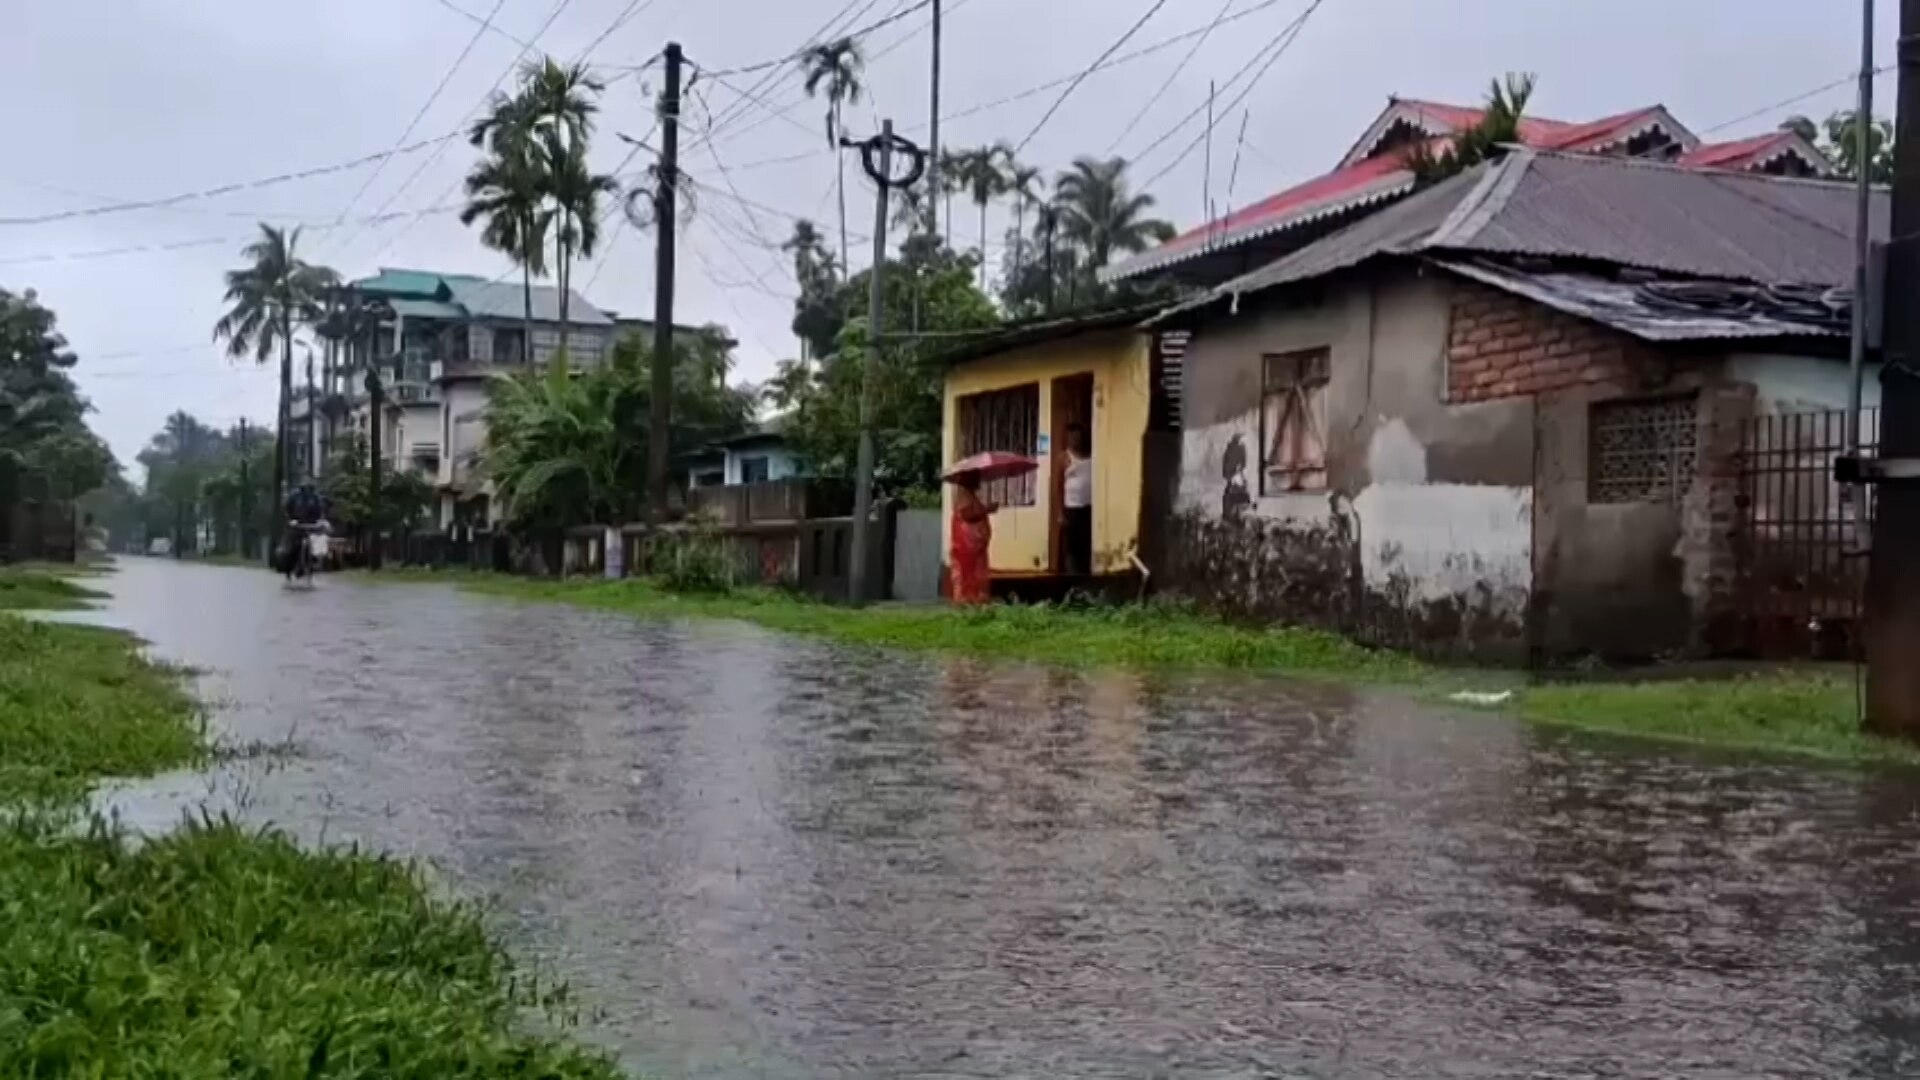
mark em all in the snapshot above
pixel 216 951
pixel 1800 713
pixel 1803 713
pixel 1144 636
pixel 79 703
pixel 38 589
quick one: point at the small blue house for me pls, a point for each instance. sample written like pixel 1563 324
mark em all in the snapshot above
pixel 752 457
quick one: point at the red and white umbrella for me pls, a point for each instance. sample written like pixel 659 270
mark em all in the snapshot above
pixel 991 465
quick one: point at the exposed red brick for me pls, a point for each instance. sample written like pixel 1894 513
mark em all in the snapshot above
pixel 1500 345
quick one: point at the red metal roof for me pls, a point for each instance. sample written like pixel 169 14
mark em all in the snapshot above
pixel 1534 130
pixel 1598 132
pixel 1741 153
pixel 1329 192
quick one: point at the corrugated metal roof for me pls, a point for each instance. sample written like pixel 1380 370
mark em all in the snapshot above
pixel 504 300
pixel 1623 305
pixel 425 309
pixel 1728 226
pixel 1741 226
pixel 1402 227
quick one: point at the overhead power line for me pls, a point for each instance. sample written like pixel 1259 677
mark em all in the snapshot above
pixel 1275 48
pixel 1090 69
pixel 421 113
pixel 771 69
pixel 552 16
pixel 210 241
pixel 228 189
pixel 1844 80
pixel 1154 98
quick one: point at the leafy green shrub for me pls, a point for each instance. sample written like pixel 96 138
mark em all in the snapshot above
pixel 695 561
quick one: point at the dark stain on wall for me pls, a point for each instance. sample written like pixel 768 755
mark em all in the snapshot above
pixel 1262 570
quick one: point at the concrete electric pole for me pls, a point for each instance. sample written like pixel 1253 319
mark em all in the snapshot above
pixel 1893 592
pixel 876 156
pixel 660 408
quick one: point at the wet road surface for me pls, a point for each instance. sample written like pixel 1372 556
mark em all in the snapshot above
pixel 757 855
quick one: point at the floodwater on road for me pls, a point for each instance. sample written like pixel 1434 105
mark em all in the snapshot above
pixel 759 855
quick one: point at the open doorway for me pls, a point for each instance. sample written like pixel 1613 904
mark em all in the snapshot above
pixel 1070 530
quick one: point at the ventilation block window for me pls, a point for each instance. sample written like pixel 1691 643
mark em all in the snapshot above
pixel 1293 421
pixel 1006 420
pixel 1642 451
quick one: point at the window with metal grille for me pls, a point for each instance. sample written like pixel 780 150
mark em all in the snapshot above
pixel 1642 451
pixel 1007 420
pixel 1293 421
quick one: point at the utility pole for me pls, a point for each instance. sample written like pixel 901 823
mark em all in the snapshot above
pixel 376 431
pixel 660 409
pixel 246 496
pixel 1051 221
pixel 1893 584
pixel 876 155
pixel 933 138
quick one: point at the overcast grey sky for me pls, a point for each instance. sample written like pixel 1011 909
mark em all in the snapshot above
pixel 133 99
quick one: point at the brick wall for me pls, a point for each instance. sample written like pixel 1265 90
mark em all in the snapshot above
pixel 1501 345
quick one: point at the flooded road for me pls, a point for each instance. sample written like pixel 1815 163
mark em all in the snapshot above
pixel 756 855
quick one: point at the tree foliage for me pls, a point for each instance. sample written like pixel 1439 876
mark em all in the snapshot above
pixel 1839 140
pixel 534 185
pixel 406 498
pixel 206 484
pixel 825 399
pixel 572 450
pixel 45 445
pixel 835 70
pixel 1499 126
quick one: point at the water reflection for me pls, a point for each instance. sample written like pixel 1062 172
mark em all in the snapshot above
pixel 757 855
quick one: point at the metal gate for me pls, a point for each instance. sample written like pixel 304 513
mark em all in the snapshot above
pixel 1800 539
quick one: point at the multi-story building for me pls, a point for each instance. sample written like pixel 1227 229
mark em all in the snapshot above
pixel 449 335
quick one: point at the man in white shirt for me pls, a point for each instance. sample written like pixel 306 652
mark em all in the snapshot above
pixel 1077 504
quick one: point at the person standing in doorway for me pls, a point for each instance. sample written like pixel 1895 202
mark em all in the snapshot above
pixel 1077 503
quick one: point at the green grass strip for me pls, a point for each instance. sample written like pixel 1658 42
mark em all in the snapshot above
pixel 1800 713
pixel 43 590
pixel 217 951
pixel 79 703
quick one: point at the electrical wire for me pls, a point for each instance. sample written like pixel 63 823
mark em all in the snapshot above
pixel 552 16
pixel 421 113
pixel 485 24
pixel 1090 69
pixel 1291 34
pixel 1154 98
pixel 208 241
pixel 771 69
pixel 228 189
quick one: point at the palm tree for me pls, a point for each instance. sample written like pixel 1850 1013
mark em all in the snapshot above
pixel 575 190
pixel 537 181
pixel 1499 126
pixel 977 172
pixel 1100 215
pixel 1023 183
pixel 268 296
pixel 814 318
pixel 506 188
pixel 560 103
pixel 834 70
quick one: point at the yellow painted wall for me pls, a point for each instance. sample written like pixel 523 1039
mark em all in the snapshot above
pixel 1118 361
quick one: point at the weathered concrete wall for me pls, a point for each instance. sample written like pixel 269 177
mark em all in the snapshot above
pixel 1423 537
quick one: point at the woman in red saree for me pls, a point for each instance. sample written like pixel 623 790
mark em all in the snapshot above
pixel 970 533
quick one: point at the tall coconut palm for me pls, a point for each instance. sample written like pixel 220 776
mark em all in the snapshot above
pixel 575 190
pixel 834 70
pixel 506 189
pixel 1100 215
pixel 273 292
pixel 978 173
pixel 1023 183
